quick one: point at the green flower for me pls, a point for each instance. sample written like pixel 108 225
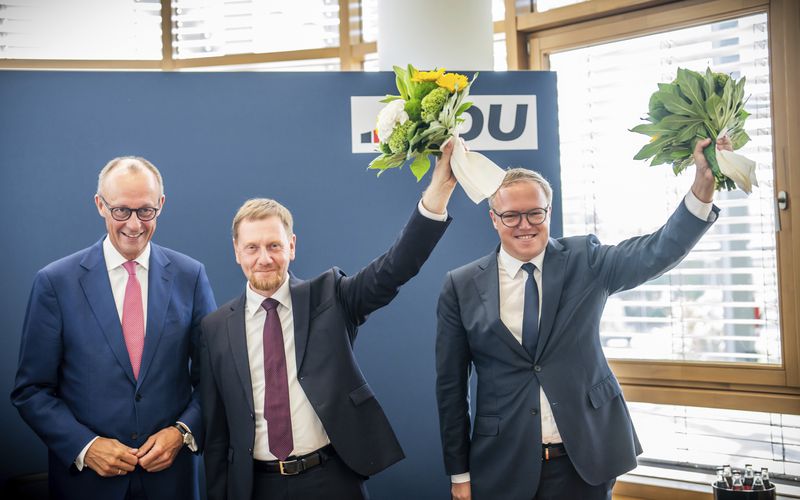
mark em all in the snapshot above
pixel 433 103
pixel 398 141
pixel 414 109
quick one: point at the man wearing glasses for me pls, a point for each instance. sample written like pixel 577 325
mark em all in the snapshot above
pixel 104 374
pixel 550 420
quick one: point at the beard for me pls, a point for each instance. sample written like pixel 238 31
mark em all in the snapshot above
pixel 266 284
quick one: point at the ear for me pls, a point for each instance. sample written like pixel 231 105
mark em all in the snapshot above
pixel 292 246
pixel 494 220
pixel 235 252
pixel 161 204
pixel 100 206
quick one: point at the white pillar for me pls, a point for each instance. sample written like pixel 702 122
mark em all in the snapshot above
pixel 452 34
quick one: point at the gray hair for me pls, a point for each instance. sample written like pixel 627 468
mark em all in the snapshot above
pixel 131 164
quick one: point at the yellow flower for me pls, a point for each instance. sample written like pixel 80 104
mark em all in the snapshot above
pixel 426 76
pixel 452 82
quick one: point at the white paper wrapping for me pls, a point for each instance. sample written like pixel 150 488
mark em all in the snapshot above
pixel 478 175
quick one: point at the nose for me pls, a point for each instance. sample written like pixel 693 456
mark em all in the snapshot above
pixel 264 256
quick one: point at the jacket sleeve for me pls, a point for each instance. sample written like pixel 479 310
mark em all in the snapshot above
pixel 203 304
pixel 36 387
pixel 453 368
pixel 379 282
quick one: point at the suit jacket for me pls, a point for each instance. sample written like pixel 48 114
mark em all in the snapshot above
pixel 327 312
pixel 503 455
pixel 75 380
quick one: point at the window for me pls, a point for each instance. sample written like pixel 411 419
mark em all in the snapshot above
pixel 721 303
pixel 80 29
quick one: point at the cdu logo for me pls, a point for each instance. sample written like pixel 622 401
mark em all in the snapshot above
pixel 494 122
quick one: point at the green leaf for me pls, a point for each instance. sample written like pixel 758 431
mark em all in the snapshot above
pixel 689 83
pixel 651 148
pixel 464 106
pixel 739 139
pixel 708 83
pixel 678 122
pixel 687 133
pixel 678 105
pixel 390 98
pixel 420 166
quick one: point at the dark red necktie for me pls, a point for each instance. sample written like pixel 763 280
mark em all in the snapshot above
pixel 276 390
pixel 133 318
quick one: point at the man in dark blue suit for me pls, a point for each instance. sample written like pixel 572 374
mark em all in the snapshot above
pixel 288 413
pixel 550 420
pixel 104 368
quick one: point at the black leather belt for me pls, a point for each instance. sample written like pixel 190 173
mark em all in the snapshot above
pixel 295 465
pixel 551 451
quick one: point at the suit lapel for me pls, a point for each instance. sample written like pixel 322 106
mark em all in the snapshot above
pixel 553 273
pixel 301 297
pixel 97 289
pixel 487 282
pixel 237 339
pixel 159 285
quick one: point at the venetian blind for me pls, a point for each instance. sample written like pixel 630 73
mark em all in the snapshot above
pixel 721 303
pixel 80 29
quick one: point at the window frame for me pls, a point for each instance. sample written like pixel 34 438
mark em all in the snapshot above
pixel 771 388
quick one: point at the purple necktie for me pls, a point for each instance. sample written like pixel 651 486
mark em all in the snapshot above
pixel 133 318
pixel 276 390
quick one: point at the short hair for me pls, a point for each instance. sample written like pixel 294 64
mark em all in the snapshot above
pixel 515 175
pixel 132 164
pixel 261 208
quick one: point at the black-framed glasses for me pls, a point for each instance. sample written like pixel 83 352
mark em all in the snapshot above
pixel 514 219
pixel 124 213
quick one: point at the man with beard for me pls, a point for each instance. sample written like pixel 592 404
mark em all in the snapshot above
pixel 286 410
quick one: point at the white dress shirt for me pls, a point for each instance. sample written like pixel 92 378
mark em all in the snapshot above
pixel 308 433
pixel 512 295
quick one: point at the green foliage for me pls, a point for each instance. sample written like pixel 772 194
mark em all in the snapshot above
pixel 415 140
pixel 433 103
pixel 693 107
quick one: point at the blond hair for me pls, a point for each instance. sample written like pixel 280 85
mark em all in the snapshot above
pixel 515 175
pixel 261 208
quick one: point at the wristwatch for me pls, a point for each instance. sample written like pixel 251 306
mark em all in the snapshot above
pixel 187 435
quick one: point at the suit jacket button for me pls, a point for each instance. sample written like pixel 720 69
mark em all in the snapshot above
pixel 252 417
pixel 134 436
pixel 250 451
pixel 537 368
pixel 534 411
pixel 138 397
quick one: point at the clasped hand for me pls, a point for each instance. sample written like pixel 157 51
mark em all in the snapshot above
pixel 108 457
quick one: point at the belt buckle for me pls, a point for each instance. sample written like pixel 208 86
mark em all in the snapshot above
pixel 547 453
pixel 284 472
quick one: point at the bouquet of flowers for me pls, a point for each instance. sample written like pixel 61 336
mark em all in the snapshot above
pixel 692 108
pixel 417 122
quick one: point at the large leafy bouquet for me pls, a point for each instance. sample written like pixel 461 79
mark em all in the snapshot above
pixel 417 122
pixel 692 108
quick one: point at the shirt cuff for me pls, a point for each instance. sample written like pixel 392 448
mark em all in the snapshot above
pixel 79 462
pixel 460 478
pixel 431 215
pixel 698 208
pixel 192 444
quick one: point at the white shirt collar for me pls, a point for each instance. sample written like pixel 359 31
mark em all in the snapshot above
pixel 254 299
pixel 512 265
pixel 114 259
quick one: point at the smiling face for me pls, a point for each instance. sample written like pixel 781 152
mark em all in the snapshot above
pixel 525 241
pixel 264 249
pixel 129 188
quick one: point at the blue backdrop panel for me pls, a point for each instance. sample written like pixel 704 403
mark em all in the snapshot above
pixel 218 140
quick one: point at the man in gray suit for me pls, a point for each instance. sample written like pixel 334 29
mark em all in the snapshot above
pixel 550 422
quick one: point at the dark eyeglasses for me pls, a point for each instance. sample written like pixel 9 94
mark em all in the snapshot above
pixel 514 219
pixel 124 213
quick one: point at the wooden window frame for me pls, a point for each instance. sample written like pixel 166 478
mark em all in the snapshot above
pixel 532 37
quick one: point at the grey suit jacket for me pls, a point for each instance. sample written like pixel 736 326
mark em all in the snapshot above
pixel 503 453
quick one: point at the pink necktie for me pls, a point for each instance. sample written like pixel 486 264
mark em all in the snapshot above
pixel 276 393
pixel 133 318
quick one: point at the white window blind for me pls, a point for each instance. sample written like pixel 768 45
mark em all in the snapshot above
pixel 208 28
pixel 706 438
pixel 80 29
pixel 721 303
